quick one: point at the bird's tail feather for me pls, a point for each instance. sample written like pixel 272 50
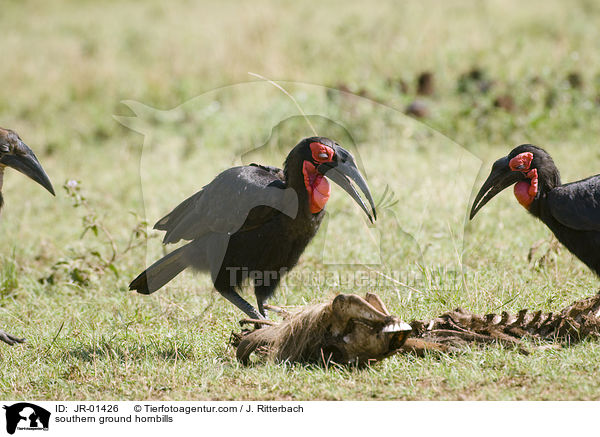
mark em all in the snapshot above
pixel 161 272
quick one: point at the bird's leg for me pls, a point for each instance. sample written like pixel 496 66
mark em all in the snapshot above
pixel 261 308
pixel 263 292
pixel 10 339
pixel 257 322
pixel 232 296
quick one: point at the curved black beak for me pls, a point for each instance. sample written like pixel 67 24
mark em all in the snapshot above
pixel 25 161
pixel 341 171
pixel 500 178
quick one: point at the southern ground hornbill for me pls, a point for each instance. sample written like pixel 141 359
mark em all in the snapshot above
pixel 16 154
pixel 253 222
pixel 571 211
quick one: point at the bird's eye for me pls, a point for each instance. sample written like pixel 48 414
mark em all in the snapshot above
pixel 321 152
pixel 521 162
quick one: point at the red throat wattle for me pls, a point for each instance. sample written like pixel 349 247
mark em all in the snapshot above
pixel 317 187
pixel 525 191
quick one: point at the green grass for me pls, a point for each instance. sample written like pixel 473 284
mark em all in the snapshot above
pixel 69 65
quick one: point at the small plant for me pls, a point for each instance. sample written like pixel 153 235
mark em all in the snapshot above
pixel 85 264
pixel 539 258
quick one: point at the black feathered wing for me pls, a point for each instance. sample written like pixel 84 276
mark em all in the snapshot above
pixel 577 205
pixel 238 199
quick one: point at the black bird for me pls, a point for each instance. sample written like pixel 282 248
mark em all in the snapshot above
pixel 254 222
pixel 571 211
pixel 14 153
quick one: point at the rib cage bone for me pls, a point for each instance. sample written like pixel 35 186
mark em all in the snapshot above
pixel 577 321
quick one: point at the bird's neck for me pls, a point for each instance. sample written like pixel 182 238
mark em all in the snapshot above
pixel 547 178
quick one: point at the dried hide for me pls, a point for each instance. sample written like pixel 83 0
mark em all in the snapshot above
pixel 347 330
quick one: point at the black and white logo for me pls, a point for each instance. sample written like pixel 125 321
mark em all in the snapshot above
pixel 26 417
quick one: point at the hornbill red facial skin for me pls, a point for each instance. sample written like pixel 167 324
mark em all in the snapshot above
pixel 571 211
pixel 14 153
pixel 253 222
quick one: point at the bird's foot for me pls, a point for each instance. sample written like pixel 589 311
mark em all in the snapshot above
pixel 9 338
pixel 277 310
pixel 258 323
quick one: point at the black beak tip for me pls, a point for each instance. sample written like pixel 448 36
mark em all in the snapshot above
pixel 41 178
pixel 499 179
pixel 477 205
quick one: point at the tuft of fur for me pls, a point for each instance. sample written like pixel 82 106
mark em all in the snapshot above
pixel 297 338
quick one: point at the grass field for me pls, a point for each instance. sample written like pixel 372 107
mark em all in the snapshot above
pixel 192 110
